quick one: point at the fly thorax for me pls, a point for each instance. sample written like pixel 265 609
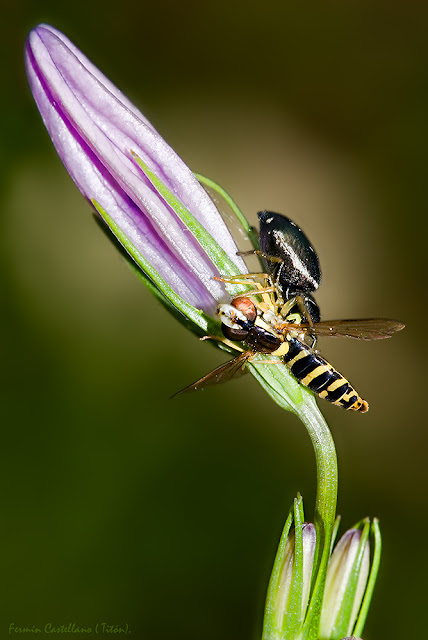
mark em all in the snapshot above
pixel 266 326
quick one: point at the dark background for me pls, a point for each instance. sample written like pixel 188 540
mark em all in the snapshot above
pixel 120 505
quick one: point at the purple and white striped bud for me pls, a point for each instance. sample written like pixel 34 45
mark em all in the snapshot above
pixel 99 133
pixel 290 583
pixel 288 570
pixel 347 576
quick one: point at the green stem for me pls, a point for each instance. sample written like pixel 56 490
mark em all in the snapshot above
pixel 325 508
pixel 292 396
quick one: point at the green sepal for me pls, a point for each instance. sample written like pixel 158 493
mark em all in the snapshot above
pixel 249 230
pixel 270 623
pixel 214 251
pixel 293 620
pixel 334 533
pixel 157 285
pixel 189 324
pixel 359 625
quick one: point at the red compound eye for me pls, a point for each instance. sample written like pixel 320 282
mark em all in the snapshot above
pixel 246 306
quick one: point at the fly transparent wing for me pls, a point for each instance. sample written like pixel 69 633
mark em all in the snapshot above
pixel 221 374
pixel 362 329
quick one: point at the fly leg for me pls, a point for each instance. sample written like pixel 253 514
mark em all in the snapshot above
pixel 260 254
pixel 259 290
pixel 225 341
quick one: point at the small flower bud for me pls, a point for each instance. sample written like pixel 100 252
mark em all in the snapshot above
pixel 290 583
pixel 346 581
pixel 284 601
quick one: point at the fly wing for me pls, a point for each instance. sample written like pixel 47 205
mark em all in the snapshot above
pixel 223 373
pixel 362 329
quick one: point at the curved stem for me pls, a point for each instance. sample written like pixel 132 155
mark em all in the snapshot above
pixel 290 395
pixel 325 507
pixel 326 461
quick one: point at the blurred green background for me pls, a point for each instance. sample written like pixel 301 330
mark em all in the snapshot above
pixel 122 506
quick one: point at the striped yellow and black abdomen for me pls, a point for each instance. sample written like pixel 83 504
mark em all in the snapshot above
pixel 318 375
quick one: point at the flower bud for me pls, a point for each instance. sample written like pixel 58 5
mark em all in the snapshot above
pixel 289 587
pixel 104 141
pixel 346 582
pixel 285 601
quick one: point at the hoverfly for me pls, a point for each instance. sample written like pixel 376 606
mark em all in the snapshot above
pixel 286 323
